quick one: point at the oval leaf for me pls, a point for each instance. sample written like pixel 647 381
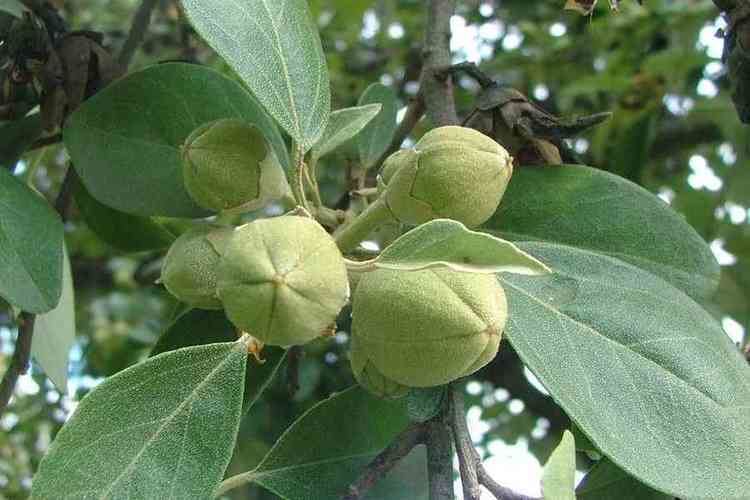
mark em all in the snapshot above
pixel 274 46
pixel 200 327
pixel 363 426
pixel 31 248
pixel 130 233
pixel 342 126
pixel 13 7
pixel 598 211
pixel 125 141
pixel 445 242
pixel 377 135
pixel 559 476
pixel 16 137
pixel 606 481
pixel 645 372
pixel 55 333
pixel 164 428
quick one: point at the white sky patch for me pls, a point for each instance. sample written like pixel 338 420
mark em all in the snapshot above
pixel 707 88
pixel 737 213
pixel 26 386
pixel 600 64
pixel 371 246
pixel 486 9
pixel 535 382
pixel 727 153
pixel 558 29
pixel 678 105
pixel 703 176
pixel 396 31
pixel 732 328
pixel 492 31
pixel 513 39
pixel 474 388
pixel 541 92
pixel 513 466
pixel 477 427
pixel 370 24
pixel 666 194
pixel 581 145
pixel 723 257
pixel 714 69
pixel 501 395
pixel 708 41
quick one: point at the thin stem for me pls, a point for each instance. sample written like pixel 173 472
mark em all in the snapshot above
pixel 234 482
pixel 398 449
pixel 138 28
pixel 298 177
pixel 313 185
pixel 350 235
pixel 20 360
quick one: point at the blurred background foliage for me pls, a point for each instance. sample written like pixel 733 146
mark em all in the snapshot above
pixel 674 131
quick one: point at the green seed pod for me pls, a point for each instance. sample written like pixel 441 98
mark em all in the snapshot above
pixel 425 328
pixel 283 280
pixel 369 377
pixel 453 172
pixel 189 269
pixel 229 166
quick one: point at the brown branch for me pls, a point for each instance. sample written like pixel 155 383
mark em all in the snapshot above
pixel 44 142
pixel 435 86
pixel 470 463
pixel 464 446
pixel 414 113
pixel 20 360
pixel 400 447
pixel 440 455
pixel 141 20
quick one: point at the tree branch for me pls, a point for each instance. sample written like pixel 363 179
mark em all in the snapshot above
pixel 435 86
pixel 414 113
pixel 141 20
pixel 440 456
pixel 470 463
pixel 400 447
pixel 20 360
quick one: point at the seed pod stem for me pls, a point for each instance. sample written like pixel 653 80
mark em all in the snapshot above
pixel 357 230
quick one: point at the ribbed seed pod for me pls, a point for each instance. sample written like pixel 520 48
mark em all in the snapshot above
pixel 283 280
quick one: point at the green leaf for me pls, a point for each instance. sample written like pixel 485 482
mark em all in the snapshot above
pixel 164 428
pixel 125 141
pixel 342 126
pixel 406 481
pixel 200 326
pixel 445 242
pixel 130 233
pixel 601 212
pixel 643 370
pixel 559 476
pixel 55 332
pixel 31 248
pixel 326 448
pixel 377 135
pixel 13 7
pixel 423 403
pixel 606 481
pixel 274 46
pixel 16 137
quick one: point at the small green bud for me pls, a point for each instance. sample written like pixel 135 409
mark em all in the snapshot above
pixel 424 328
pixel 229 166
pixel 283 280
pixel 452 172
pixel 189 269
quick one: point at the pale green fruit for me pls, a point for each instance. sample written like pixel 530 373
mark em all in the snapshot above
pixel 229 166
pixel 425 328
pixel 189 269
pixel 369 377
pixel 452 172
pixel 283 280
